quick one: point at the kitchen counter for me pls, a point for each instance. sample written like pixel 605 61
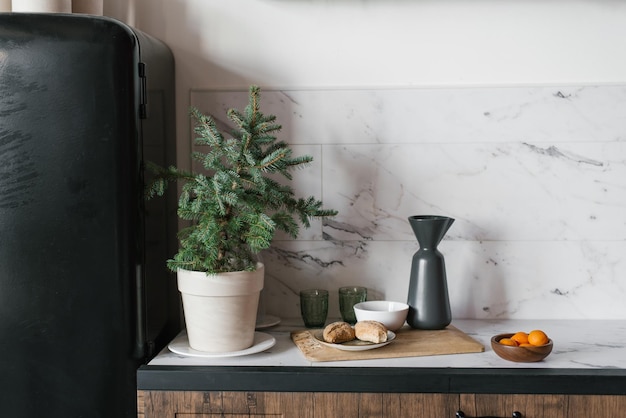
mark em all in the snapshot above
pixel 589 357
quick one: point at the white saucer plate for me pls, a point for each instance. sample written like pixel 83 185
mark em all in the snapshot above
pixel 262 342
pixel 354 345
pixel 267 321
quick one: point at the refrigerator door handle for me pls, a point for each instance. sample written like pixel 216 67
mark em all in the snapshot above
pixel 140 335
pixel 143 94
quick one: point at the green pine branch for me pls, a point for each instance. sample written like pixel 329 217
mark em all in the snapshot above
pixel 235 209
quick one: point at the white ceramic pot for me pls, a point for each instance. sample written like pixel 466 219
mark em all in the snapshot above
pixel 42 6
pixel 220 309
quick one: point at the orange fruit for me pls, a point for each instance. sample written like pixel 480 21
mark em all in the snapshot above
pixel 508 341
pixel 520 338
pixel 537 337
pixel 526 345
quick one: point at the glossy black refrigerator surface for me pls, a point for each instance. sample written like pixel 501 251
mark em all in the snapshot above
pixel 84 295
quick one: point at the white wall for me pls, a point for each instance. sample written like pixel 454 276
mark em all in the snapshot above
pixel 338 43
pixel 525 97
pixel 285 43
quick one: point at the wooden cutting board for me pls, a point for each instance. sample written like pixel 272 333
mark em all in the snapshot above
pixel 409 342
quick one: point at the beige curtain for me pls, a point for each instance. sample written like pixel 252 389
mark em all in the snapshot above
pixel 5 5
pixel 43 6
pixel 92 7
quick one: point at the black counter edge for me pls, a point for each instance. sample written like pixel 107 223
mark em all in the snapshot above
pixel 382 380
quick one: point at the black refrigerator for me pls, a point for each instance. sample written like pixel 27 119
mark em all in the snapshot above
pixel 85 297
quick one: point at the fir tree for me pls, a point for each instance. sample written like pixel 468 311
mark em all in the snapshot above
pixel 235 207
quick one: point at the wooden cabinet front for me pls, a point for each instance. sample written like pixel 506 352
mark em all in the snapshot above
pixel 596 406
pixel 196 404
pixel 184 404
pixel 179 404
pixel 530 406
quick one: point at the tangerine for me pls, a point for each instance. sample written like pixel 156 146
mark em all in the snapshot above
pixel 520 338
pixel 508 341
pixel 538 337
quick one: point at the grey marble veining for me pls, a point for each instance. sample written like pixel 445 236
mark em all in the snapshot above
pixel 578 344
pixel 438 115
pixel 534 176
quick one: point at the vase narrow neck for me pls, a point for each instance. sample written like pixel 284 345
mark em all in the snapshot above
pixel 430 230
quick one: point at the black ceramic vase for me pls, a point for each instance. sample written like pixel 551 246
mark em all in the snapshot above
pixel 429 306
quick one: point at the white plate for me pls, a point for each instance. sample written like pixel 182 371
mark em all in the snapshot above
pixel 180 345
pixel 267 321
pixel 354 345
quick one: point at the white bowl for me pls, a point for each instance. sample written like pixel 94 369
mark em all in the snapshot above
pixel 391 314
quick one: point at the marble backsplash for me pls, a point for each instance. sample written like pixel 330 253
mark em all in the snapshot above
pixel 534 176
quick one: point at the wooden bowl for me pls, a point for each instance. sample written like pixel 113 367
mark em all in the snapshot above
pixel 527 354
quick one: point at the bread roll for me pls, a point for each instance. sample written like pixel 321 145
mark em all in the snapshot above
pixel 372 331
pixel 338 332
